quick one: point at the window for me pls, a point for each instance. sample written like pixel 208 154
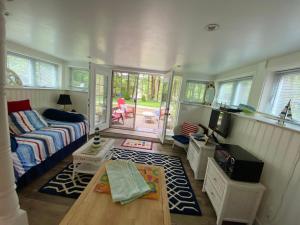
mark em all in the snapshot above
pixel 79 79
pixel 33 72
pixel 288 88
pixel 234 92
pixel 195 91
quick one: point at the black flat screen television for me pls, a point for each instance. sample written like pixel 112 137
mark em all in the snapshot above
pixel 219 122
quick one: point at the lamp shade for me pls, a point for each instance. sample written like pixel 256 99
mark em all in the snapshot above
pixel 64 100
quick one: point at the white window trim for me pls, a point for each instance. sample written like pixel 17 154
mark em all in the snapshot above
pixel 274 92
pixel 33 60
pixel 73 88
pixel 184 101
pixel 235 80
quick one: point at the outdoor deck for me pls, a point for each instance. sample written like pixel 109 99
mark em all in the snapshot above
pixel 142 122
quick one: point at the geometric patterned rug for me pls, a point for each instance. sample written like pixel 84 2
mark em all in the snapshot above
pixel 182 199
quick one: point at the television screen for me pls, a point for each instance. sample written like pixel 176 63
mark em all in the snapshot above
pixel 220 122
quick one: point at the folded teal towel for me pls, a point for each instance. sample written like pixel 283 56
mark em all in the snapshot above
pixel 126 182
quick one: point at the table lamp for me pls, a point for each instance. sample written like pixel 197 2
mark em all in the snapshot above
pixel 64 100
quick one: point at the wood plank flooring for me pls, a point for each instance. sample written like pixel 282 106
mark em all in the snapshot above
pixel 44 209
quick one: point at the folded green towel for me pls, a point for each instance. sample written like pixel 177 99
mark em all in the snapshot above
pixel 126 182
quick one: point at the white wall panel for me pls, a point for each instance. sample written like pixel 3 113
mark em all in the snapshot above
pixel 47 98
pixel 80 101
pixel 279 148
pixel 39 98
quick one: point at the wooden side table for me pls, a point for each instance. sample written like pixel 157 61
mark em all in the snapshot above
pixel 198 153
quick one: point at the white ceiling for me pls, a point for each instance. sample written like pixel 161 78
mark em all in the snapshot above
pixel 158 34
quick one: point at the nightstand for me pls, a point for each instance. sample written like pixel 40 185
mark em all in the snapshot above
pixel 198 153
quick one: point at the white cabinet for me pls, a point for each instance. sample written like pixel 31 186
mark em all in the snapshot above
pixel 197 156
pixel 232 200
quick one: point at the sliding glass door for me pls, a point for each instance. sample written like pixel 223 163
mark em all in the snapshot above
pixel 124 96
pixel 141 102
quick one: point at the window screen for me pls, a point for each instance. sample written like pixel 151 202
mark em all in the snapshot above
pixel 195 91
pixel 234 92
pixel 288 88
pixel 33 72
pixel 79 79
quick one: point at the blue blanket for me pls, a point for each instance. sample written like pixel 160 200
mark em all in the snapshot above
pixel 36 146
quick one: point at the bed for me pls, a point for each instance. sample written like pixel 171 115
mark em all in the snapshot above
pixel 41 143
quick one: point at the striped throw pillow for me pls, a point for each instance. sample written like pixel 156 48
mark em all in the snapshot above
pixel 188 128
pixel 26 121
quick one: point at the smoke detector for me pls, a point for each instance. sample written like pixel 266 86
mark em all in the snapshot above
pixel 212 27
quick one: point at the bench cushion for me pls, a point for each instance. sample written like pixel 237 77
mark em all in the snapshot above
pixel 181 138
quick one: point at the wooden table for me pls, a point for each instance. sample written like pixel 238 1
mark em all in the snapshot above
pixel 149 116
pixel 93 208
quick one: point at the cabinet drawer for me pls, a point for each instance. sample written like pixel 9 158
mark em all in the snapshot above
pixel 216 179
pixel 212 194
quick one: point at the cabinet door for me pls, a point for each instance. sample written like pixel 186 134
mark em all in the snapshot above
pixel 194 158
pixel 189 153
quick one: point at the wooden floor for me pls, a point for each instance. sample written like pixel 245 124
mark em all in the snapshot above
pixel 44 209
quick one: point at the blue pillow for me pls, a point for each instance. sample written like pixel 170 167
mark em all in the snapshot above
pixel 59 115
pixel 13 143
pixel 26 121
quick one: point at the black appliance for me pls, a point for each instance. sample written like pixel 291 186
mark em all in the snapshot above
pixel 238 164
pixel 219 122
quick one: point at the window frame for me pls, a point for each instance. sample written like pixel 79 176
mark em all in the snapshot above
pixel 33 74
pixel 185 100
pixel 235 82
pixel 74 88
pixel 278 76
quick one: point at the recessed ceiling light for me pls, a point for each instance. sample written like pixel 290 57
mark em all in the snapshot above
pixel 212 27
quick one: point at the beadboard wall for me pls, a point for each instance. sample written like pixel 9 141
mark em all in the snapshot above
pixel 279 148
pixel 80 101
pixel 39 98
pixel 47 98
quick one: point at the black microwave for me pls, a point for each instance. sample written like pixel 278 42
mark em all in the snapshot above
pixel 238 164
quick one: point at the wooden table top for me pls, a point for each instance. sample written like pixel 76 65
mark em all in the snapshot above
pixel 93 208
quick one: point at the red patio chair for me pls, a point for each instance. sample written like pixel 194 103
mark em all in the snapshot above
pixel 116 116
pixel 127 109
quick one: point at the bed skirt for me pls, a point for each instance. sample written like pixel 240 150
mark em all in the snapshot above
pixel 49 163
